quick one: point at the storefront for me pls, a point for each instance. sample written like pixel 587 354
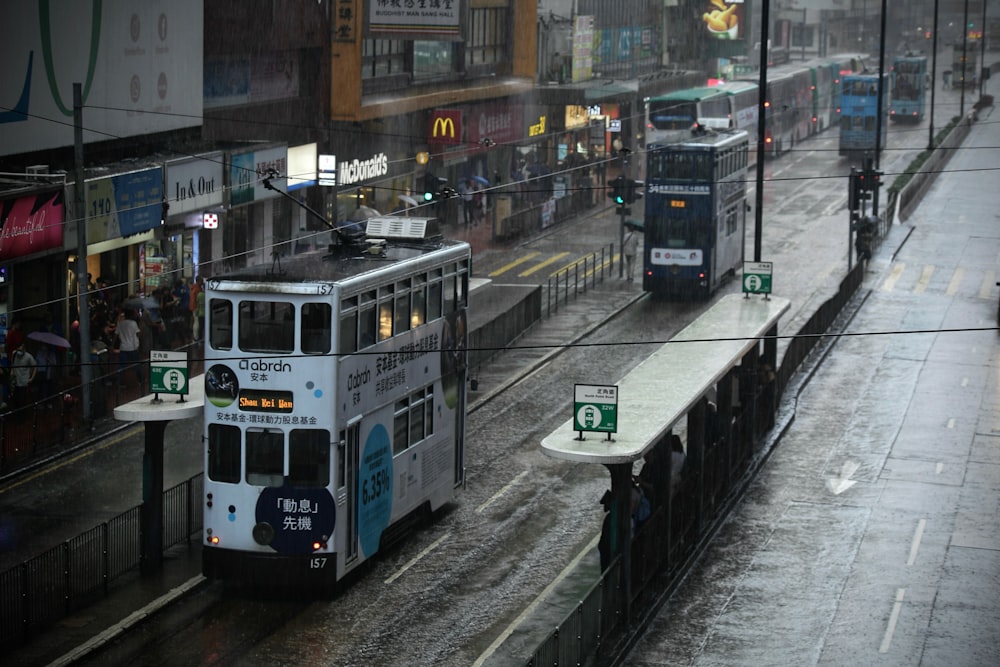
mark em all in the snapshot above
pixel 32 236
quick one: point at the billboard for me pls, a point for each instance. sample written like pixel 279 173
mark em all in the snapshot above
pixel 725 19
pixel 136 63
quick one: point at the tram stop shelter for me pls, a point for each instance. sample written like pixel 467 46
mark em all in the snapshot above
pixel 155 412
pixel 671 385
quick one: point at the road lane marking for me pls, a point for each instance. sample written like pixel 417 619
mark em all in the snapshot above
pixel 890 282
pixel 507 487
pixel 951 423
pixel 956 280
pixel 517 262
pixel 925 278
pixel 986 287
pixel 491 649
pixel 542 265
pixel 416 559
pixel 938 468
pixel 915 544
pixel 893 618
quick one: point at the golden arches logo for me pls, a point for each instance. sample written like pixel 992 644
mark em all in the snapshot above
pixel 443 128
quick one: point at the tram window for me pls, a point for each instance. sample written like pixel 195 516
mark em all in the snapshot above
pixel 703 167
pixel 845 123
pixel 265 457
pixel 429 412
pixel 221 330
pixel 418 302
pixel 267 326
pixel 401 427
pixel 702 232
pixel 417 421
pixel 450 291
pixel 309 457
pixel 434 297
pixel 348 333
pixel 869 123
pixel 384 320
pixel 223 453
pixel 401 315
pixel 367 321
pixel 316 327
pixel 677 233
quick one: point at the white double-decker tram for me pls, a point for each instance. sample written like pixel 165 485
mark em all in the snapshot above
pixel 335 402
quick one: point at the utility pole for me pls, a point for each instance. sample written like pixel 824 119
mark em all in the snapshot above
pixel 934 51
pixel 758 228
pixel 965 59
pixel 879 120
pixel 82 284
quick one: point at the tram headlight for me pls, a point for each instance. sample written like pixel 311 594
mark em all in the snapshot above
pixel 263 533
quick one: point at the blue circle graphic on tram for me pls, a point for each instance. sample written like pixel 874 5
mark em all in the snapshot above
pixel 374 489
pixel 299 516
pixel 221 385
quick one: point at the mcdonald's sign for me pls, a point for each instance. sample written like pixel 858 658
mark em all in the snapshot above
pixel 445 127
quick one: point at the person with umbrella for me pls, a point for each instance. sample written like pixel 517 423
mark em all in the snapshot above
pixel 23 369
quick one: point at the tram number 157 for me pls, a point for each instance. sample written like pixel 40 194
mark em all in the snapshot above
pixel 317 563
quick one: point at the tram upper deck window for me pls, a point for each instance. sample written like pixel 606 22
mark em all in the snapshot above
pixel 418 301
pixel 348 334
pixel 309 457
pixel 401 311
pixel 220 334
pixel 385 309
pixel 316 328
pixel 265 457
pixel 702 167
pixel 267 326
pixel 367 320
pixel 435 294
pixel 224 453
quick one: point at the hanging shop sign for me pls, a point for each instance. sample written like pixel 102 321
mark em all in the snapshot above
pixel 194 184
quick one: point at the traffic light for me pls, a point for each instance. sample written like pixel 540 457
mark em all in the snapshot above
pixel 433 185
pixel 617 192
pixel 855 190
pixel 633 191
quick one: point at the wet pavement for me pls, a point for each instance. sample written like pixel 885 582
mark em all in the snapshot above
pixel 135 597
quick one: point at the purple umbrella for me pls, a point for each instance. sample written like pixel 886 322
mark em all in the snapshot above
pixel 52 339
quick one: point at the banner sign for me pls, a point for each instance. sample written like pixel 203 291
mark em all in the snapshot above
pixel 31 224
pixel 123 205
pixel 425 20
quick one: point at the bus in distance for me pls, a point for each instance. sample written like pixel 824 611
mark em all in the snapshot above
pixel 908 86
pixel 695 217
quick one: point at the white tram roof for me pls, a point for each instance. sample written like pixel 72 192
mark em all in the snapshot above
pixel 661 390
pixel 310 268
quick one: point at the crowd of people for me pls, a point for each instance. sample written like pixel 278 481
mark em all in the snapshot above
pixel 122 333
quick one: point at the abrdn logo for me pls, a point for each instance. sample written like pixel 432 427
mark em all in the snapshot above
pixel 446 126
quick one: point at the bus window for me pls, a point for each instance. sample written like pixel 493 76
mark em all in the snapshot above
pixel 348 333
pixel 367 321
pixel 265 457
pixel 316 326
pixel 221 334
pixel 401 314
pixel 267 326
pixel 224 453
pixel 385 318
pixel 418 302
pixel 401 427
pixel 434 298
pixel 309 457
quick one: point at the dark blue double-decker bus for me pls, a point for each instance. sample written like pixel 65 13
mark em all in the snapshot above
pixel 695 217
pixel 908 84
pixel 859 114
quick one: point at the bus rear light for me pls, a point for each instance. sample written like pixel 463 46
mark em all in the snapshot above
pixel 767 140
pixel 814 119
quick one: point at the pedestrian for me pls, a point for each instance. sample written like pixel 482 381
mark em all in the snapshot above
pixel 14 338
pixel 199 310
pixel 629 248
pixel 128 345
pixel 47 362
pixel 23 369
pixel 468 203
pixel 946 75
pixel 193 307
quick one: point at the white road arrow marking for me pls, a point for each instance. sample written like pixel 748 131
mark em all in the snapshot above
pixel 838 485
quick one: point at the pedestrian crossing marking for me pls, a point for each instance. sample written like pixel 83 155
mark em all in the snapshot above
pixel 986 287
pixel 894 275
pixel 956 281
pixel 517 262
pixel 925 278
pixel 542 265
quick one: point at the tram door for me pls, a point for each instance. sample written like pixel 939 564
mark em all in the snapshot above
pixel 349 462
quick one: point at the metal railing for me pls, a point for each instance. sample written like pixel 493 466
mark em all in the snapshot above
pixel 71 575
pixel 578 277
